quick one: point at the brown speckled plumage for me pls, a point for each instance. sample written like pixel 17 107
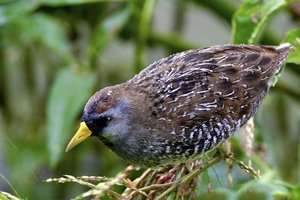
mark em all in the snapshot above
pixel 185 104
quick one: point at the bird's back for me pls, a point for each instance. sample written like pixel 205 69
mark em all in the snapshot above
pixel 200 97
pixel 211 80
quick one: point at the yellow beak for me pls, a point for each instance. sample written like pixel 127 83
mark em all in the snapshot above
pixel 82 134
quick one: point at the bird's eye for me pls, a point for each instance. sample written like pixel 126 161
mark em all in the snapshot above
pixel 101 121
pixel 97 124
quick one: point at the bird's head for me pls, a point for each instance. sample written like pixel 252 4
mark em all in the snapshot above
pixel 105 116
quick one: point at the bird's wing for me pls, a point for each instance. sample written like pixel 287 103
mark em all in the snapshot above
pixel 212 83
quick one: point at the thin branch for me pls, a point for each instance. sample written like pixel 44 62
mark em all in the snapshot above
pixel 10 185
pixel 9 196
pixel 157 183
pixel 69 178
pixel 254 173
pixel 118 179
pixel 190 176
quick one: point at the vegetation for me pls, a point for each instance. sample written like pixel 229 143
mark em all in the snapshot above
pixel 54 54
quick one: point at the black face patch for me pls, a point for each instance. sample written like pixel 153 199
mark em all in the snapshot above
pixel 96 124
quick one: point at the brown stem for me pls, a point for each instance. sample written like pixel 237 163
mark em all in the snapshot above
pixel 190 176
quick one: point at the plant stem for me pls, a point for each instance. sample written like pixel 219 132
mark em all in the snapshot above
pixel 10 185
pixel 137 182
pixel 143 30
pixel 179 16
pixel 190 176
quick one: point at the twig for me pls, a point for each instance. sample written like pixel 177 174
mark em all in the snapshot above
pixel 157 186
pixel 10 185
pixel 190 176
pixel 155 183
pixel 102 188
pixel 10 196
pixel 229 163
pixel 79 180
pixel 248 169
pixel 138 182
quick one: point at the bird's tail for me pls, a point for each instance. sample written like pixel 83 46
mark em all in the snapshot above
pixel 283 51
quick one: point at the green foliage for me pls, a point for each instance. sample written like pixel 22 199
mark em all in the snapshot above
pixel 69 92
pixel 250 19
pixel 293 37
pixel 54 54
pixel 108 29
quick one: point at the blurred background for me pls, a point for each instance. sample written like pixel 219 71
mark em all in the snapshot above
pixel 54 54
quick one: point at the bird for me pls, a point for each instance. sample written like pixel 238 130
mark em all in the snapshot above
pixel 183 105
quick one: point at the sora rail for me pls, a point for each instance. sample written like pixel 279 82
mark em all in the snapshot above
pixel 182 105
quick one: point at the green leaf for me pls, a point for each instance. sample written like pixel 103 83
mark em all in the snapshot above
pixel 68 94
pixel 42 29
pixel 18 8
pixel 107 29
pixel 276 77
pixel 217 194
pixel 250 19
pixel 262 189
pixel 279 117
pixel 15 9
pixel 51 32
pixel 74 2
pixel 7 196
pixel 293 37
pixel 2 197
